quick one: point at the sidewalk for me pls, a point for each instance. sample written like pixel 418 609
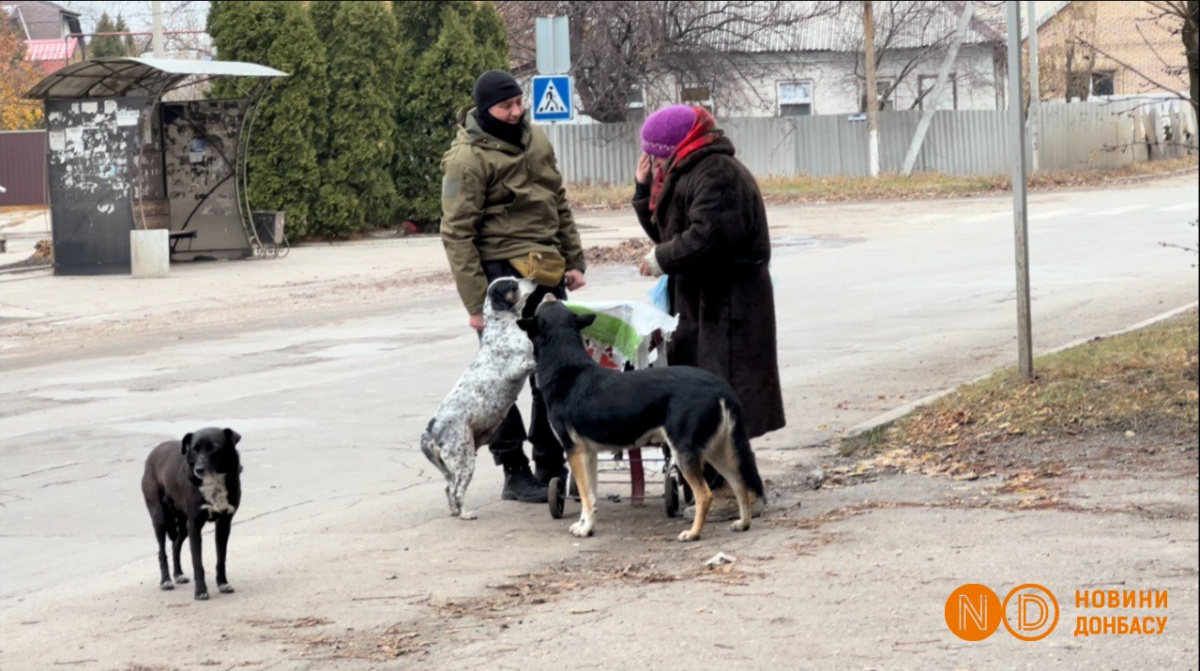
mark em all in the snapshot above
pixel 36 304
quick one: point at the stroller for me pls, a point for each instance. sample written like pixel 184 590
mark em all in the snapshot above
pixel 627 336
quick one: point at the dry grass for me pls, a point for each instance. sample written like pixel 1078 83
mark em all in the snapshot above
pixel 806 189
pixel 1140 382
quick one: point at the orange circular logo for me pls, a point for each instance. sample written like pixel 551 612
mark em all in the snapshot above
pixel 1032 614
pixel 973 612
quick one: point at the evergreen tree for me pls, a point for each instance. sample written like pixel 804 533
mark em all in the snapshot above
pixel 285 174
pixel 283 171
pixel 112 46
pixel 420 23
pixel 243 31
pixel 470 40
pixel 357 190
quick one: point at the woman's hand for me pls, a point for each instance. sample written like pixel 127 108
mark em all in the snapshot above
pixel 575 280
pixel 644 166
pixel 476 321
pixel 649 266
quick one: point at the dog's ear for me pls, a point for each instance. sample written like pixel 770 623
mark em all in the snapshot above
pixel 187 443
pixel 584 321
pixel 233 437
pixel 529 325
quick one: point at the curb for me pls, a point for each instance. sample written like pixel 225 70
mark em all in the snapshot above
pixel 880 421
pixel 21 270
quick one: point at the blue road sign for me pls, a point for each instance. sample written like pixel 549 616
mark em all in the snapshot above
pixel 552 98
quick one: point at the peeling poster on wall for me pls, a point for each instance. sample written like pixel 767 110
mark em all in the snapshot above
pixel 75 139
pixel 127 117
pixel 196 150
pixel 57 140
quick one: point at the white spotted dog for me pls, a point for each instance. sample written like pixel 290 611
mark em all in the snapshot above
pixel 475 408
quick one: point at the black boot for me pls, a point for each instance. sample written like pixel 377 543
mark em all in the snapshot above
pixel 520 485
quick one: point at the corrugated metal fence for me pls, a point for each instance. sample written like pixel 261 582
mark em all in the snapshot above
pixel 1073 136
pixel 23 168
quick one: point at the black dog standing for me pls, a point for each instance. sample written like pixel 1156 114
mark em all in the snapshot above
pixel 186 484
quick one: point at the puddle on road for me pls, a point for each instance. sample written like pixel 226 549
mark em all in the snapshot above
pixel 351 351
pixel 80 394
pixel 242 425
pixel 791 243
pixel 108 376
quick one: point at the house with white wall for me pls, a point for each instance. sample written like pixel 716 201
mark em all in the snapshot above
pixel 817 66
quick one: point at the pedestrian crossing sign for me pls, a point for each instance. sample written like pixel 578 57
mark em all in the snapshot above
pixel 552 98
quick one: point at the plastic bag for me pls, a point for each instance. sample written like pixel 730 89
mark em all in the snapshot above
pixel 659 296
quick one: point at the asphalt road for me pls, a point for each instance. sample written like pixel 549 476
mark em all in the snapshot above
pixel 878 305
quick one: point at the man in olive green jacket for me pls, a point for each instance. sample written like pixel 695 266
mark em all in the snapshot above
pixel 503 198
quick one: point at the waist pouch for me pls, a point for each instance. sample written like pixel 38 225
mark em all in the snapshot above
pixel 545 268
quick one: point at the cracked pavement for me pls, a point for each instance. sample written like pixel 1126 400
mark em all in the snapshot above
pixel 331 361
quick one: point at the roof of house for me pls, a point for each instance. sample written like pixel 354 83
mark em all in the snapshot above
pixel 1046 16
pixel 43 20
pixel 50 50
pixel 838 27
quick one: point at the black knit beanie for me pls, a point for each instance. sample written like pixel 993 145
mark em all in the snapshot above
pixel 495 86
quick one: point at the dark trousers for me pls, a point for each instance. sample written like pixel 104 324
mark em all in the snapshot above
pixel 506 446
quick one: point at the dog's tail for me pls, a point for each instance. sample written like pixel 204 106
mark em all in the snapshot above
pixel 428 447
pixel 747 465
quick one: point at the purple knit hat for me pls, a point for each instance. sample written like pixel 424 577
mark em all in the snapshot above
pixel 666 128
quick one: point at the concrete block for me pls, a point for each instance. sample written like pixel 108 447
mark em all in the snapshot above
pixel 149 253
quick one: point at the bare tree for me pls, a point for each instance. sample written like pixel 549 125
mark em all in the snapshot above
pixel 621 50
pixel 1067 58
pixel 183 23
pixel 912 37
pixel 1165 17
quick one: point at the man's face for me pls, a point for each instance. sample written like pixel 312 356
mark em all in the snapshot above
pixel 509 111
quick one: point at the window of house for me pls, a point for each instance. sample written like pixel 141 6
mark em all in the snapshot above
pixel 884 92
pixel 795 98
pixel 1103 83
pixel 637 100
pixel 697 95
pixel 925 84
pixel 1077 86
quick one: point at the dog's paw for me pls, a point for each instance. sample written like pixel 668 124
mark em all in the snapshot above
pixel 201 596
pixel 182 579
pixel 225 589
pixel 167 586
pixel 468 515
pixel 688 536
pixel 739 525
pixel 581 530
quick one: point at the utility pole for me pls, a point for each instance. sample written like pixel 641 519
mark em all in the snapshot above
pixel 156 29
pixel 1035 93
pixel 935 96
pixel 1016 140
pixel 872 99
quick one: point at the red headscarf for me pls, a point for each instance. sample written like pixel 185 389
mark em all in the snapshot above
pixel 703 133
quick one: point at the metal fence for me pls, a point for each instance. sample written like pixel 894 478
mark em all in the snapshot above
pixel 23 168
pixel 1072 136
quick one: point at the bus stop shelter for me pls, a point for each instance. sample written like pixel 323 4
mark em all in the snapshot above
pixel 120 158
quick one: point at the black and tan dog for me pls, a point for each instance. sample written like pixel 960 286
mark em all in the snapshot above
pixel 593 408
pixel 186 484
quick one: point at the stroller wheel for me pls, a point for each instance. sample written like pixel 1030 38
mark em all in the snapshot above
pixel 671 494
pixel 557 494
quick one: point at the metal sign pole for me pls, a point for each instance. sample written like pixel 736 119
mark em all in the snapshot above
pixel 1035 93
pixel 1020 206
